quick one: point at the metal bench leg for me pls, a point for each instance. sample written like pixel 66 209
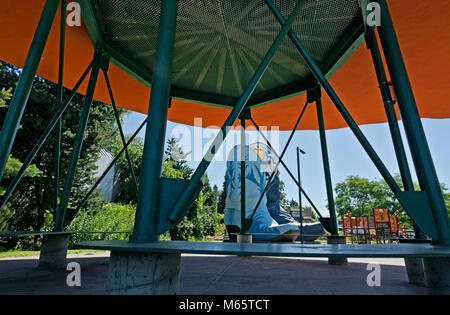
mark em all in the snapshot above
pixel 143 273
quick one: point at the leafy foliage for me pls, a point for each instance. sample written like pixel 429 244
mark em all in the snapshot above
pixel 360 196
pixel 111 218
pixel 33 199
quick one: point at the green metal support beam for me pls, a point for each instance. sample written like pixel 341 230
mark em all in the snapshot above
pixel 147 216
pixel 77 145
pixel 122 135
pixel 59 100
pixel 337 102
pixel 415 133
pixel 23 89
pixel 287 169
pixel 326 164
pixel 50 127
pixel 272 176
pixel 244 226
pixel 394 128
pixel 237 109
pixel 105 172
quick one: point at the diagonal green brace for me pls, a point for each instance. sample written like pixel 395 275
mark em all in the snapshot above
pixel 77 145
pixel 237 109
pixel 12 186
pixel 337 102
pixel 23 89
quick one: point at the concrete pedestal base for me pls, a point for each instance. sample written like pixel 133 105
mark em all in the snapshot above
pixel 336 240
pixel 437 272
pixel 54 251
pixel 414 269
pixel 143 273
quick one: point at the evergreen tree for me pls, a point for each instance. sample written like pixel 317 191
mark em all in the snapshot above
pixel 222 197
pixel 175 154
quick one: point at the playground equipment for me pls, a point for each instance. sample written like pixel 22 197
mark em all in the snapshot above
pixel 248 60
pixel 382 227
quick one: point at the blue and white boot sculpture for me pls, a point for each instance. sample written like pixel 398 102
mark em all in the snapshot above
pixel 263 227
pixel 310 232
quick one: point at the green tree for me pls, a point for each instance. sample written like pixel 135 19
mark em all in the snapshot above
pixel 175 154
pixel 360 196
pixel 222 197
pixel 32 201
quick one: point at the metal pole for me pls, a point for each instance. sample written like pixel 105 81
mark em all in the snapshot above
pixel 12 186
pixel 122 135
pixel 23 89
pixel 389 104
pixel 59 100
pixel 244 227
pixel 337 102
pixel 326 167
pixel 78 143
pixel 415 133
pixel 237 109
pixel 300 195
pixel 147 209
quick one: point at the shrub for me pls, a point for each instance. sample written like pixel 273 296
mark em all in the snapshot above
pixel 111 219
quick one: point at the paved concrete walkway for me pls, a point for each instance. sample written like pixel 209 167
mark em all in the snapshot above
pixel 222 275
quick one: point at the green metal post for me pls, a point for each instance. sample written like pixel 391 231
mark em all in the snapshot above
pixel 41 140
pixel 243 177
pixel 394 128
pixel 415 133
pixel 59 100
pixel 122 135
pixel 326 166
pixel 300 206
pixel 147 214
pixel 237 109
pixel 78 143
pixel 23 89
pixel 338 103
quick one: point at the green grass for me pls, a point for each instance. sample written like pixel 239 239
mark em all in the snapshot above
pixel 28 253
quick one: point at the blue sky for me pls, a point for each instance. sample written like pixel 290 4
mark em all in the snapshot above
pixel 346 155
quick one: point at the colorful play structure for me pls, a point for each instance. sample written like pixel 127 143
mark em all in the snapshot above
pixel 381 227
pixel 261 61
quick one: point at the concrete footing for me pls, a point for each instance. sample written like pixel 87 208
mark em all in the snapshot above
pixel 143 273
pixel 414 269
pixel 436 272
pixel 54 251
pixel 336 240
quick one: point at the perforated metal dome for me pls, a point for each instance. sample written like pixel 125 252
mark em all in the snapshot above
pixel 219 44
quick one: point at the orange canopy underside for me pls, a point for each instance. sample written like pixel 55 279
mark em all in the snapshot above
pixel 422 28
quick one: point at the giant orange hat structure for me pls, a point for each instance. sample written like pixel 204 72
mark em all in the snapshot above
pixel 422 28
pixel 226 61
